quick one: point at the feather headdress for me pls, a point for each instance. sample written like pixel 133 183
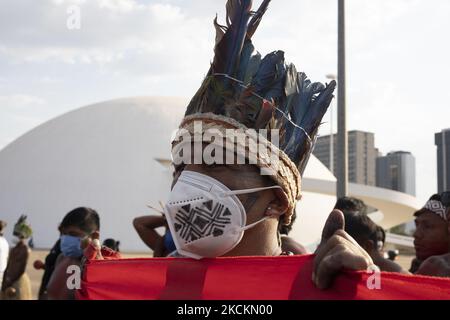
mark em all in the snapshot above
pixel 260 93
pixel 22 229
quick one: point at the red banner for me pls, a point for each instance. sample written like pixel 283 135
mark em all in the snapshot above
pixel 244 278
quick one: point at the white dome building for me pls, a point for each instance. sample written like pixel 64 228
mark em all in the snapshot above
pixel 114 157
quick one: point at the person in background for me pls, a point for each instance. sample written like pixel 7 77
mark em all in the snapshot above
pixel 367 234
pixel 162 245
pixel 381 237
pixel 432 237
pixel 392 254
pixel 16 283
pixel 351 205
pixel 4 251
pixel 112 244
pixel 48 267
pixel 76 225
pixel 146 226
pixel 287 243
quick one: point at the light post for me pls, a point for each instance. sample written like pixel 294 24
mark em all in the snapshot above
pixel 331 77
pixel 342 143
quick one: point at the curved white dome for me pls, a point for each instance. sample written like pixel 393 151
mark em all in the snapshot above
pixel 105 156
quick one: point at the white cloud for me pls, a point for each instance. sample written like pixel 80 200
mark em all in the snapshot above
pixel 20 101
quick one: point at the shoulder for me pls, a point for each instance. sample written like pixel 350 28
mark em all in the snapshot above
pixel 23 249
pixel 391 266
pixel 438 266
pixel 289 244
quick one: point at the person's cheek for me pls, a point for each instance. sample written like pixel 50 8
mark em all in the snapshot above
pixel 436 242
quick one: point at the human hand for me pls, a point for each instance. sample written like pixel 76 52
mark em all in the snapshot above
pixel 337 251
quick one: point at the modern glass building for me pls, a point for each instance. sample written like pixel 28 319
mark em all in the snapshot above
pixel 397 171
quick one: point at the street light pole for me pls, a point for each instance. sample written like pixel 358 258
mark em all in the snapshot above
pixel 342 143
pixel 331 77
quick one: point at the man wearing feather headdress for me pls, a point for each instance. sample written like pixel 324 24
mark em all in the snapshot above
pixel 228 197
pixel 16 283
pixel 218 209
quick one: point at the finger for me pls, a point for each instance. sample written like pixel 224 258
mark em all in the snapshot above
pixel 355 247
pixel 90 252
pixel 324 250
pixel 334 222
pixel 328 268
pixel 95 235
pixel 85 243
pixel 340 258
pixel 339 238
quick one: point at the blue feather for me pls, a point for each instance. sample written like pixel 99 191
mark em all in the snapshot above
pixel 257 17
pixel 228 50
pixel 268 80
pixel 301 102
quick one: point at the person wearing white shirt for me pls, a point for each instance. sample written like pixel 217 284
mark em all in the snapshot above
pixel 4 251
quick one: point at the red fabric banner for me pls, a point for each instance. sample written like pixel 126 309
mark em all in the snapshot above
pixel 243 278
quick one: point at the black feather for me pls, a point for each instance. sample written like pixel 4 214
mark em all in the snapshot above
pixel 261 94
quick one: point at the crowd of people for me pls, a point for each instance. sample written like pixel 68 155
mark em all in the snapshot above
pixel 79 232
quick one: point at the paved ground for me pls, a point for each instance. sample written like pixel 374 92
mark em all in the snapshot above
pixel 36 275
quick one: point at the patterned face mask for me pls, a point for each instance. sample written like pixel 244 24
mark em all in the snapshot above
pixel 206 218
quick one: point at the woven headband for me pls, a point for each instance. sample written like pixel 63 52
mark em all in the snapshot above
pixel 284 172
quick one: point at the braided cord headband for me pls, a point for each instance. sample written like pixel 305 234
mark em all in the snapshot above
pixel 282 170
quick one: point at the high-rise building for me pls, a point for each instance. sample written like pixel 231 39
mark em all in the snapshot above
pixel 442 140
pixel 397 171
pixel 362 156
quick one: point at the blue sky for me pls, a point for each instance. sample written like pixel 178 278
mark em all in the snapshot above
pixel 397 60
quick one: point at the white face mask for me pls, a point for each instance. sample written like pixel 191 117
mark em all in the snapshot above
pixel 206 218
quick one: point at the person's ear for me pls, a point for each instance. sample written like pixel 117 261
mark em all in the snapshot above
pixel 278 206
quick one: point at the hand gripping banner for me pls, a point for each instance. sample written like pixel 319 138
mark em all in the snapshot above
pixel 245 278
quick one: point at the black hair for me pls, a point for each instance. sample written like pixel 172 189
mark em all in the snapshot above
pixel 392 254
pixel 436 197
pixel 350 204
pixel 86 219
pixel 112 244
pixel 361 228
pixel 381 234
